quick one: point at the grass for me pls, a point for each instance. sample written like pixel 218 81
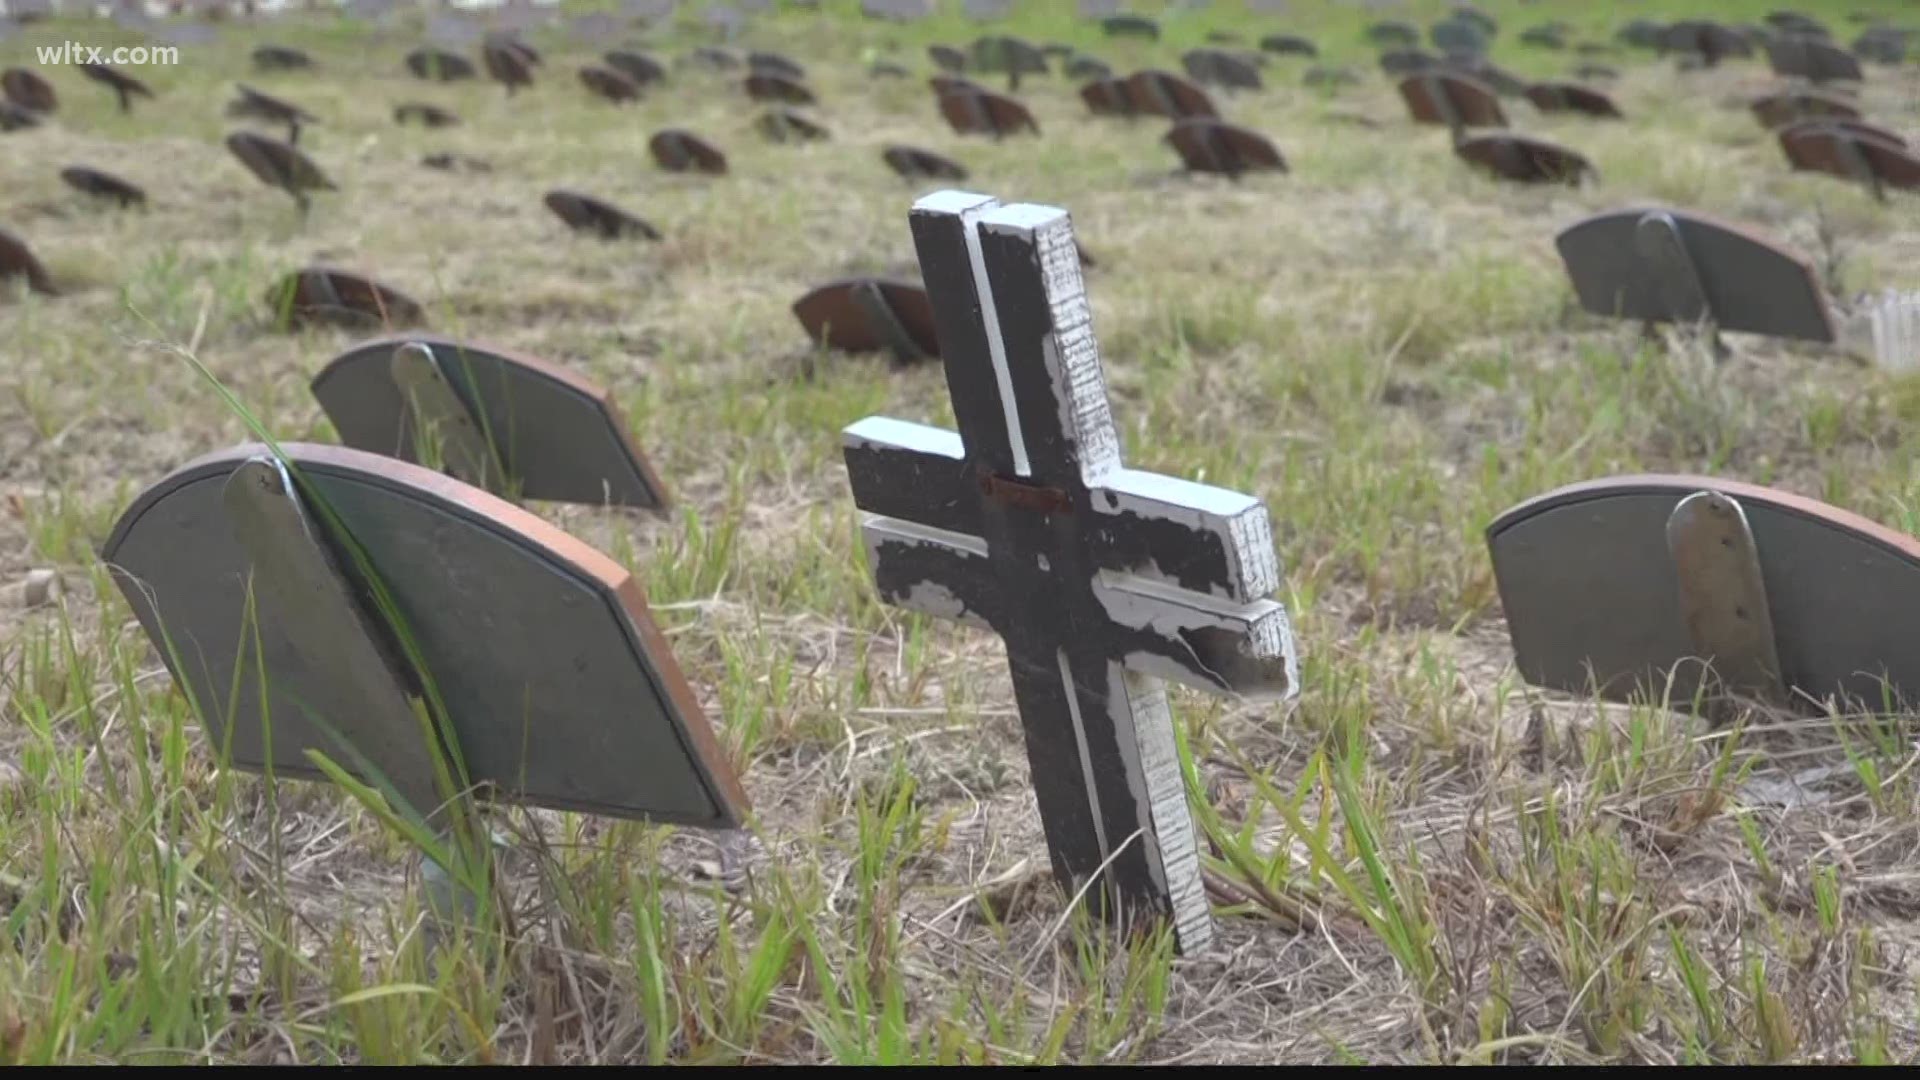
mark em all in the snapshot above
pixel 1419 860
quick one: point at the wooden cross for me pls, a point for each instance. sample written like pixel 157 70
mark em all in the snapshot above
pixel 1102 580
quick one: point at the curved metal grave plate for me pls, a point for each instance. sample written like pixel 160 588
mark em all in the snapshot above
pixel 1397 62
pixel 432 116
pixel 1288 45
pixel 983 112
pixel 1524 159
pixel 1107 97
pixel 947 58
pixel 1087 68
pixel 841 315
pixel 1859 129
pixel 252 104
pixel 1131 26
pixel 508 63
pixel 683 151
pixel 1736 278
pixel 439 65
pixel 322 295
pixel 608 84
pixel 1456 101
pixel 769 87
pixel 101 184
pixel 561 437
pixel 638 67
pixel 1588 585
pixel 124 86
pixel 1709 41
pixel 28 90
pixel 1162 93
pixel 1813 59
pixel 788 126
pixel 773 63
pixel 17 261
pixel 561 689
pixel 584 213
pixel 280 58
pixel 1217 67
pixel 1394 33
pixel 1833 149
pixel 1572 97
pixel 1214 146
pixel 15 118
pixel 280 165
pixel 913 163
pixel 1792 106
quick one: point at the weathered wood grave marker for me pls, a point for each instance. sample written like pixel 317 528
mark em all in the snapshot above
pixel 585 213
pixel 17 262
pixel 255 105
pixel 683 151
pixel 1102 580
pixel 28 90
pixel 1661 265
pixel 871 314
pixel 1851 150
pixel 321 295
pixel 516 426
pixel 1738 593
pixel 102 185
pixel 1215 146
pixel 276 164
pixel 299 575
pixel 913 163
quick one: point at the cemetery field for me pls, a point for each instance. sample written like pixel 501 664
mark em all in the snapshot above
pixel 1419 858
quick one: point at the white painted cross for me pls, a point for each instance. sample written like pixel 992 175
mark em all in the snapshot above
pixel 1101 579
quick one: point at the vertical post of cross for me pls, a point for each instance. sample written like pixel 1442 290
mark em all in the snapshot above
pixel 1102 580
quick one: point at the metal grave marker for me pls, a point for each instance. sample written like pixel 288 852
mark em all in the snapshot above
pixel 788 126
pixel 682 151
pixel 1785 107
pixel 913 163
pixel 585 213
pixel 124 86
pixel 1613 585
pixel 1215 146
pixel 1288 45
pixel 1661 265
pixel 17 262
pixel 513 425
pixel 247 569
pixel 29 90
pixel 1218 67
pixel 103 185
pixel 1851 150
pixel 425 114
pixel 1811 58
pixel 1573 98
pixel 258 106
pixel 439 65
pixel 1525 159
pixel 1162 93
pixel 870 314
pixel 1452 101
pixel 321 295
pixel 277 164
pixel 974 110
pixel 1102 580
pixel 608 84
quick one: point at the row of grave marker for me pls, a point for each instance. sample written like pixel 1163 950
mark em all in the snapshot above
pixel 1102 580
